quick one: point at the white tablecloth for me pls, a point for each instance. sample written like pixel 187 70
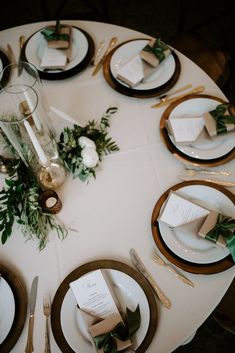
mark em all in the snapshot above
pixel 113 212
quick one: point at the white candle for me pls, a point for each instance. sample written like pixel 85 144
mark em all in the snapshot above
pixel 38 148
pixel 13 140
pixel 35 116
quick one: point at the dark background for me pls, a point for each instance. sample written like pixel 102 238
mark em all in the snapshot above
pixel 201 29
pixel 204 30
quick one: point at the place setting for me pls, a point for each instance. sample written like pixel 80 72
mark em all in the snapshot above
pixel 193 226
pixel 100 299
pixel 198 129
pixel 142 68
pixel 13 308
pixel 58 51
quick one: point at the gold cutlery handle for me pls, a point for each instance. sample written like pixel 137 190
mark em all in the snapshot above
pixel 112 42
pixel 21 41
pixel 99 49
pixel 29 344
pixel 174 92
pixel 11 54
pixel 47 339
pixel 215 181
pixel 197 89
pixel 210 172
pixel 162 297
pixel 178 275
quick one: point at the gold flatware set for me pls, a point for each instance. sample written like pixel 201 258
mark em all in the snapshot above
pixel 168 100
pixel 98 66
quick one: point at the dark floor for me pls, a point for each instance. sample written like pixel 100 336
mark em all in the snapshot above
pixel 210 22
pixel 210 338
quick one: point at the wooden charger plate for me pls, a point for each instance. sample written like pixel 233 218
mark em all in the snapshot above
pixel 192 267
pixel 91 266
pixel 117 86
pixel 20 296
pixel 179 154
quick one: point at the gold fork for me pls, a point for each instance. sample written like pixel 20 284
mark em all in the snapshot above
pixel 161 262
pixel 47 313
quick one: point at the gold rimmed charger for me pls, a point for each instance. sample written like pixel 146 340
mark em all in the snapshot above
pixel 20 297
pixel 179 154
pixel 86 268
pixel 190 266
pixel 135 92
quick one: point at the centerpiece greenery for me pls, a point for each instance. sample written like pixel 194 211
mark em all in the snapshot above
pixel 71 150
pixel 20 202
pixel 19 198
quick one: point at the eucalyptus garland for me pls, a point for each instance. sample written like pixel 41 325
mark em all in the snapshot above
pixel 19 200
pixel 71 145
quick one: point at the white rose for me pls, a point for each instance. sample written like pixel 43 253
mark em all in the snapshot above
pixel 86 142
pixel 90 157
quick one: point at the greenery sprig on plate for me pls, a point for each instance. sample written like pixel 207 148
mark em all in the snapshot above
pixel 19 201
pixel 71 147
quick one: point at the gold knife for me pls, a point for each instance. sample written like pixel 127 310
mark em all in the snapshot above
pixel 197 89
pixel 135 259
pixel 112 42
pixel 32 301
pixel 11 54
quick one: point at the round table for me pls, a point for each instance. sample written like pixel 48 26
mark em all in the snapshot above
pixel 113 212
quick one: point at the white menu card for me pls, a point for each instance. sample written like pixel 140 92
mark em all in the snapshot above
pixel 93 295
pixel 179 211
pixel 186 128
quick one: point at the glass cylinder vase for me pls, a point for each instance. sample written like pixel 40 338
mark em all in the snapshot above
pixel 25 124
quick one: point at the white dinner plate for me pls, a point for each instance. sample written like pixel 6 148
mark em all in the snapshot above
pixel 7 309
pixel 36 45
pixel 191 247
pixel 128 293
pixel 205 148
pixel 126 51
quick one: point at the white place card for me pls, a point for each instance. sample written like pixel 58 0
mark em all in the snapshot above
pixel 132 72
pixel 179 211
pixel 135 71
pixel 93 295
pixel 53 58
pixel 186 128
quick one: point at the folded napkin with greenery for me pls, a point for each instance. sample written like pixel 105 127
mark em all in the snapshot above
pixel 57 52
pixel 143 65
pixel 219 229
pixel 58 36
pixel 219 120
pixel 112 335
pixel 155 52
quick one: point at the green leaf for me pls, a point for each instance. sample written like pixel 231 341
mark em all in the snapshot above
pixel 133 320
pixel 9 182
